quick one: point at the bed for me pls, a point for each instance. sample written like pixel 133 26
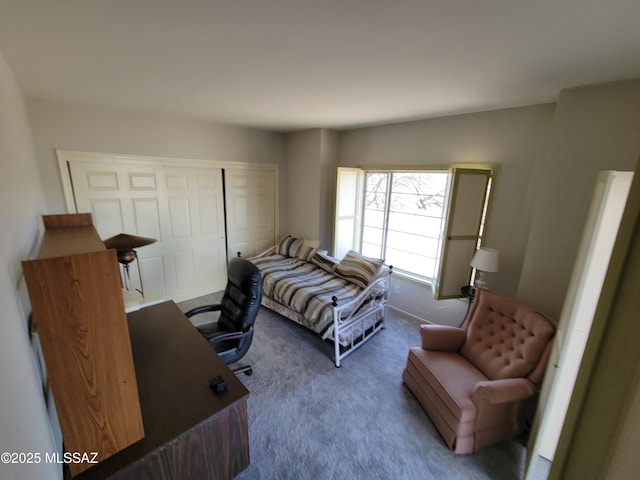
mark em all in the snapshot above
pixel 344 301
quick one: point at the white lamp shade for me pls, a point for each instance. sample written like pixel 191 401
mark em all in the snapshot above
pixel 485 260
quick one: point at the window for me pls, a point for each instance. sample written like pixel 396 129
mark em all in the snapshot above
pixel 427 224
pixel 402 219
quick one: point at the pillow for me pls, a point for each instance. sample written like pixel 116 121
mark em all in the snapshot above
pixel 307 250
pixel 289 246
pixel 358 269
pixel 325 262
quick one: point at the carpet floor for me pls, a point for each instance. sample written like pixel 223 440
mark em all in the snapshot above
pixel 311 420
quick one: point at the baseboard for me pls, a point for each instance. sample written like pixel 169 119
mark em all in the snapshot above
pixel 408 314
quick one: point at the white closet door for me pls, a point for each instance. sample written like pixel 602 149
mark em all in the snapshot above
pixel 195 226
pixel 180 206
pixel 251 210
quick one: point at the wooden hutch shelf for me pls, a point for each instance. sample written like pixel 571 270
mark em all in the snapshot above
pixel 78 308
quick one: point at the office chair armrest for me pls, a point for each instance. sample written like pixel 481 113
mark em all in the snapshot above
pixel 229 336
pixel 203 309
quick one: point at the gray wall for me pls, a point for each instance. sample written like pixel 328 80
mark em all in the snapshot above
pixel 594 128
pixel 310 184
pixel 548 157
pixel 24 424
pixel 328 178
pixel 75 127
pixel 510 138
pixel 302 185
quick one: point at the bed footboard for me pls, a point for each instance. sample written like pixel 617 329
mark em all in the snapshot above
pixel 366 318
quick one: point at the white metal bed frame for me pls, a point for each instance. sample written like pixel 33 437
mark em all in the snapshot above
pixel 365 318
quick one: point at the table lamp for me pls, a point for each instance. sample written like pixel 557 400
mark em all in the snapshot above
pixel 484 260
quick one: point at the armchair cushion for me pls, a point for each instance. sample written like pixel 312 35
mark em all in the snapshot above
pixel 505 339
pixel 451 377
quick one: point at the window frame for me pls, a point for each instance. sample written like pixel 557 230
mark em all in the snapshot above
pixel 443 266
pixel 387 214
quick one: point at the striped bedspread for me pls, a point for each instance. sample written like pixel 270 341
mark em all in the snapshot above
pixel 305 289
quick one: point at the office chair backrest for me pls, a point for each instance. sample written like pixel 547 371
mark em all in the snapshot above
pixel 242 296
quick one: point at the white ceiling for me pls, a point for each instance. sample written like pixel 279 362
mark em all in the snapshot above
pixel 292 64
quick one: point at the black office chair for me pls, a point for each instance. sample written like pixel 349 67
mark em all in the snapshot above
pixel 231 335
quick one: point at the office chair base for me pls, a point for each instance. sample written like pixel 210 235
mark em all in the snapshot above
pixel 248 371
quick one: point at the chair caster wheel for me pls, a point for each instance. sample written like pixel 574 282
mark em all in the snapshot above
pixel 248 372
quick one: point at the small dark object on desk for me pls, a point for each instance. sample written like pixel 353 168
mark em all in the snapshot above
pixel 218 384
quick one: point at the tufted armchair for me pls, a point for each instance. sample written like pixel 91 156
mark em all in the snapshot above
pixel 474 382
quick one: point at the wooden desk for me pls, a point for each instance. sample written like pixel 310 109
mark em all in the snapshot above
pixel 190 431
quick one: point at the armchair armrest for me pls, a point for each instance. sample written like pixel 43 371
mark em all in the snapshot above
pixel 442 337
pixel 503 390
pixel 203 309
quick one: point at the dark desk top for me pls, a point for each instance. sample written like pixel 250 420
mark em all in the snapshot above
pixel 173 364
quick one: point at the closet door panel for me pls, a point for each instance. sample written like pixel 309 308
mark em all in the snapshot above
pixel 182 207
pixel 251 210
